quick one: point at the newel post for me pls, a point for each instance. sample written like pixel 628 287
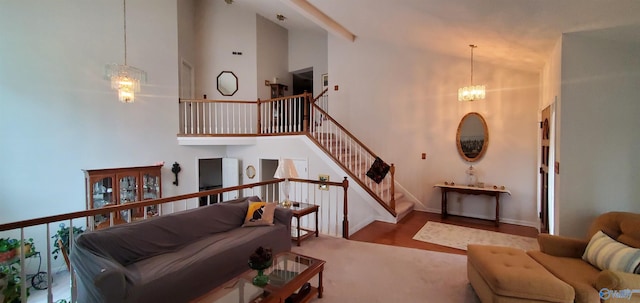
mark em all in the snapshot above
pixel 392 170
pixel 345 214
pixel 258 127
pixel 307 98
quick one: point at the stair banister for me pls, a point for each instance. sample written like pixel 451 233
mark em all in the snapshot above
pixel 390 205
pixel 345 215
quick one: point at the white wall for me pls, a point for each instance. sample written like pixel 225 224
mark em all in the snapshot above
pixel 600 142
pixel 58 114
pixel 222 29
pixel 186 32
pixel 403 102
pixel 273 54
pixel 309 49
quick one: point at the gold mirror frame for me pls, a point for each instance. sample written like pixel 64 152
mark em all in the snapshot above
pixel 251 171
pixel 469 149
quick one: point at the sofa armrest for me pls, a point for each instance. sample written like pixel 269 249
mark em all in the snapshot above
pixel 617 280
pixel 104 279
pixel 560 246
pixel 283 216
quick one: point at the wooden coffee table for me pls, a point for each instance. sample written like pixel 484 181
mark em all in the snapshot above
pixel 289 272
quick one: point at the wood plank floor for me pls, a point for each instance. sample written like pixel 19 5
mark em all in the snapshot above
pixel 401 234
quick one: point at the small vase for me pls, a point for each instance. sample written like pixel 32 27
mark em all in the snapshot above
pixel 261 279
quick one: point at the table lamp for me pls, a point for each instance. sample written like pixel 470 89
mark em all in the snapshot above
pixel 286 169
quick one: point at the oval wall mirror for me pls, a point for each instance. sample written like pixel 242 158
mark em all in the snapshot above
pixel 227 83
pixel 472 137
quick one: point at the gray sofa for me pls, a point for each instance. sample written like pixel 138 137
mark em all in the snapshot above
pixel 172 258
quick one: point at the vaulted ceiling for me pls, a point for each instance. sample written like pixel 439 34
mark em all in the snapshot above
pixel 516 33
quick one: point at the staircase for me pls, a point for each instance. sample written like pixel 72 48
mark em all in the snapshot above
pixel 283 116
pixel 356 159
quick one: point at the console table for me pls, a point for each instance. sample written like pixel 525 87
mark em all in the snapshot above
pixel 471 190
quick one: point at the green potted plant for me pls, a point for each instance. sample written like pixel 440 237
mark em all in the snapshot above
pixel 62 235
pixel 27 247
pixel 10 291
pixel 7 248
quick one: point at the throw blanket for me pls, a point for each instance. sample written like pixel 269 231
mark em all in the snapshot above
pixel 378 170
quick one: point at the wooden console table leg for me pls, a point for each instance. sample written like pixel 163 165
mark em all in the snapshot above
pixel 444 203
pixel 497 209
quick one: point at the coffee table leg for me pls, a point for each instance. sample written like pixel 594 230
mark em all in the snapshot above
pixel 317 233
pixel 320 285
pixel 298 228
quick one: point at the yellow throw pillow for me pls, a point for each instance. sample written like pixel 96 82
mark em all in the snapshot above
pixel 260 214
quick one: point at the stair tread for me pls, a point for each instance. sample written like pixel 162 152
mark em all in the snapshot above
pixel 404 206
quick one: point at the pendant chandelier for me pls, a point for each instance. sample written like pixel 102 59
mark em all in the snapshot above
pixel 124 78
pixel 472 92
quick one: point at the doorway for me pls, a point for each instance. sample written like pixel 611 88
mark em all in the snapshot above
pixel 303 81
pixel 217 173
pixel 209 177
pixel 547 170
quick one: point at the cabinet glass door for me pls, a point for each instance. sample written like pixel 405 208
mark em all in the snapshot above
pixel 151 190
pixel 128 188
pixel 102 195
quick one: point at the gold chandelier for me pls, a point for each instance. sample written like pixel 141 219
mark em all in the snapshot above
pixel 124 78
pixel 472 92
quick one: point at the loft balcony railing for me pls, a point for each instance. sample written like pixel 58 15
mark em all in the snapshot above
pixel 332 220
pixel 293 115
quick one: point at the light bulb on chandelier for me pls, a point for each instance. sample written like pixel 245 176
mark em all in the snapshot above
pixel 472 92
pixel 124 78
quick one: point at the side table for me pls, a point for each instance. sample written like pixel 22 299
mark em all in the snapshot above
pixel 300 210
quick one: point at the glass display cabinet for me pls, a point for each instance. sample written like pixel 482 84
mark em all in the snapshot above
pixel 115 186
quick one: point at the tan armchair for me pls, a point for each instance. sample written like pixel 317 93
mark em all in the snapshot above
pixel 562 257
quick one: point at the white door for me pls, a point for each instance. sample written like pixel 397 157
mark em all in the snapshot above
pixel 230 177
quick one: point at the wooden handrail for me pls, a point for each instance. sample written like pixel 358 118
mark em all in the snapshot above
pixel 126 206
pixel 354 138
pixel 240 101
pixel 214 101
pixel 320 95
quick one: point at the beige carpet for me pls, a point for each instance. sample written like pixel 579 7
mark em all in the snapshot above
pixel 458 237
pixel 367 272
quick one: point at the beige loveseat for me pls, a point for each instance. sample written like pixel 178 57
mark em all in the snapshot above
pixel 558 272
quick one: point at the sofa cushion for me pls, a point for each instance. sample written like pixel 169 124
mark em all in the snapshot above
pixel 574 271
pixel 259 214
pixel 606 253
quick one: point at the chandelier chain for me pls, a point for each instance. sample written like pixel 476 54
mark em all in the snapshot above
pixel 472 47
pixel 124 5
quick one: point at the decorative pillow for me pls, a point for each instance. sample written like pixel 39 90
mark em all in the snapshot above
pixel 606 253
pixel 378 170
pixel 260 214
